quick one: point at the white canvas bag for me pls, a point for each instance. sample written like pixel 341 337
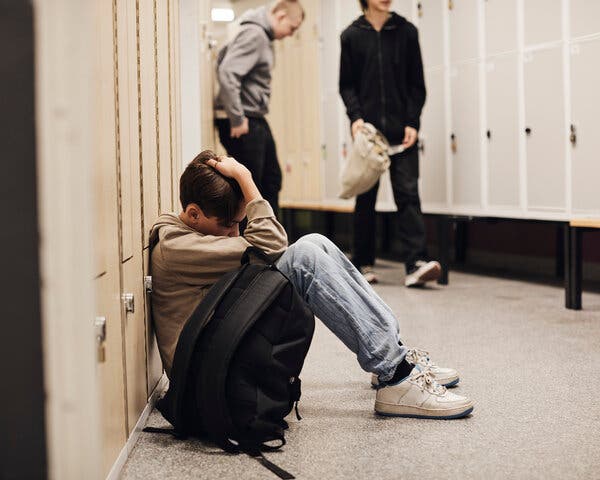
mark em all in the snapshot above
pixel 367 161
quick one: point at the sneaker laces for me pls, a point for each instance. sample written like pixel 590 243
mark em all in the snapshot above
pixel 425 380
pixel 416 356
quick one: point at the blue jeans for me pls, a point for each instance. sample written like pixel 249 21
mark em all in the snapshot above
pixel 338 294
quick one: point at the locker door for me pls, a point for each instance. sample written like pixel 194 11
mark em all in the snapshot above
pixel 132 269
pixel 148 114
pixel 585 17
pixel 503 131
pixel 175 97
pixel 544 116
pixel 431 32
pixel 107 285
pixel 432 138
pixel 464 24
pixel 466 159
pixel 542 21
pixel 164 118
pixel 585 104
pixel 500 26
pixel 404 8
pixel 207 131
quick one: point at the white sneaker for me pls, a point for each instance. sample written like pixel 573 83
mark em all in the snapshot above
pixel 447 377
pixel 369 274
pixel 423 273
pixel 420 396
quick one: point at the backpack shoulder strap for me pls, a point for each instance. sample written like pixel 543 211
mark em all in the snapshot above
pixel 265 287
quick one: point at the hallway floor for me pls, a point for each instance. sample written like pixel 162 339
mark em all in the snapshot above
pixel 531 366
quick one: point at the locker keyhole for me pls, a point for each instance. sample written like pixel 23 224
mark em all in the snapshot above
pixel 420 9
pixel 453 143
pixel 528 131
pixel 489 134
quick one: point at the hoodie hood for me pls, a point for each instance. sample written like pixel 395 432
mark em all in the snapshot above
pixel 393 22
pixel 166 219
pixel 259 17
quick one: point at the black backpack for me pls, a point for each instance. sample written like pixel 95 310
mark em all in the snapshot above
pixel 237 362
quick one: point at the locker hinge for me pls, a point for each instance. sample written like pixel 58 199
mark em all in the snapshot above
pixel 148 284
pixel 573 136
pixel 450 4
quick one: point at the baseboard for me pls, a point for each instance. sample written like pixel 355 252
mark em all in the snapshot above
pixel 115 471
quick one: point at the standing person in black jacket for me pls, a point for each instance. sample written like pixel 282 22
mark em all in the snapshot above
pixel 381 82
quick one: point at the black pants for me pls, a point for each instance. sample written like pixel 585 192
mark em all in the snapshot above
pixel 404 173
pixel 256 150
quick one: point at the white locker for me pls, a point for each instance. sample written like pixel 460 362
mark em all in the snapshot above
pixel 542 21
pixel 465 136
pixel 585 111
pixel 544 117
pixel 464 27
pixel 432 138
pixel 502 130
pixel 431 32
pixel 500 26
pixel 585 17
pixel 403 7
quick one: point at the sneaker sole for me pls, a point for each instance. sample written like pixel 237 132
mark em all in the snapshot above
pixel 387 410
pixel 429 417
pixel 450 384
pixel 433 273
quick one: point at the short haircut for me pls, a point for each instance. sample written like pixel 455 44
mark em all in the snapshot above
pixel 216 195
pixel 286 6
pixel 363 5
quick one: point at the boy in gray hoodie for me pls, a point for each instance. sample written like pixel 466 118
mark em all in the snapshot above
pixel 191 250
pixel 244 74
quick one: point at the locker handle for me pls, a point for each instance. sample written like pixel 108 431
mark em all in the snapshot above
pixel 528 131
pixel 573 136
pixel 421 146
pixel 100 333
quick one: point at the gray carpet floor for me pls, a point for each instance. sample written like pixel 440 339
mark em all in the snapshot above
pixel 531 366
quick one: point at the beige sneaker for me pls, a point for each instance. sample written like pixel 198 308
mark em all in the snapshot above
pixel 420 396
pixel 369 274
pixel 424 272
pixel 447 377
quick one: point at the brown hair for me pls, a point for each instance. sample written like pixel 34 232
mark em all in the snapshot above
pixel 363 5
pixel 216 195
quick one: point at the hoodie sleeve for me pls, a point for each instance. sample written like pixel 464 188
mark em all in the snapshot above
pixel 243 53
pixel 346 85
pixel 202 259
pixel 414 80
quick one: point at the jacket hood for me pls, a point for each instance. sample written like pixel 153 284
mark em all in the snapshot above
pixel 166 219
pixel 394 21
pixel 259 17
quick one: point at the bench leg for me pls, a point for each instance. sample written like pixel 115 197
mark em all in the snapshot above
pixel 444 247
pixel 573 272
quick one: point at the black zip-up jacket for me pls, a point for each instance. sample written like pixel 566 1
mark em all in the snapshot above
pixel 381 75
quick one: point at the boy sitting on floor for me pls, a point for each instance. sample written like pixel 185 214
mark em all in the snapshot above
pixel 192 250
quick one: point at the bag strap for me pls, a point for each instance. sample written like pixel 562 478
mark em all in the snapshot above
pixel 258 253
pixel 251 304
pixel 187 344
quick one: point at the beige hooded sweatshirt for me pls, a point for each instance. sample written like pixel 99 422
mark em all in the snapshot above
pixel 186 263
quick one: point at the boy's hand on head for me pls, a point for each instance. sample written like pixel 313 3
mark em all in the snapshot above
pixel 229 167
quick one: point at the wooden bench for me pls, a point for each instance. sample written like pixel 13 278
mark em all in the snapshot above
pixel 573 259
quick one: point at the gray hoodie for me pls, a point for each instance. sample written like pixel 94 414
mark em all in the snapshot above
pixel 244 69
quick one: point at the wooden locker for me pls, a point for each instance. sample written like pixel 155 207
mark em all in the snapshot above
pixel 585 111
pixel 107 284
pixel 544 117
pixel 148 113
pixel 542 21
pixel 502 131
pixel 164 118
pixel 500 26
pixel 432 138
pixel 465 135
pixel 130 190
pixel 431 32
pixel 585 17
pixel 464 28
